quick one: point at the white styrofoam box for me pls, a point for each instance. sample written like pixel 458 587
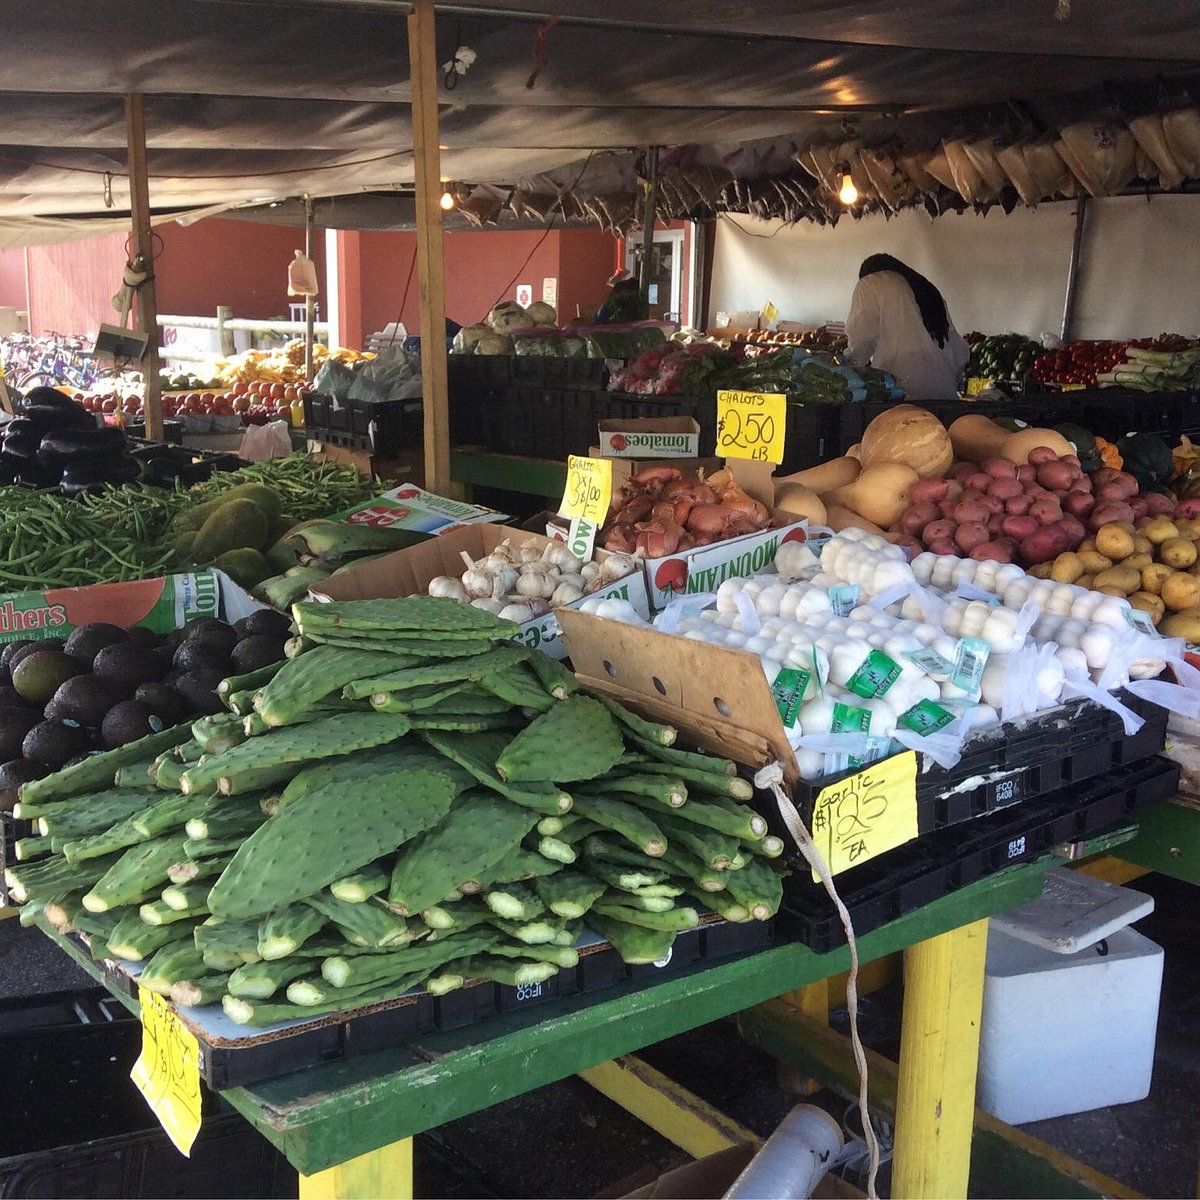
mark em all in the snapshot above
pixel 1067 1033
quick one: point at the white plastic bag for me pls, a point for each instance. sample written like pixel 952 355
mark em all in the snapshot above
pixel 262 442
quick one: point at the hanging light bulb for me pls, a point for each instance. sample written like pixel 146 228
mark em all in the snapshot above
pixel 447 201
pixel 848 193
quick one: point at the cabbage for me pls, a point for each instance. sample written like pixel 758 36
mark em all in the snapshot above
pixel 508 315
pixel 467 336
pixel 541 313
pixel 494 343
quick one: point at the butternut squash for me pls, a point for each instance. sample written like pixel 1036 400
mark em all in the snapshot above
pixel 825 477
pixel 842 518
pixel 910 435
pixel 976 438
pixel 798 501
pixel 881 494
pixel 855 451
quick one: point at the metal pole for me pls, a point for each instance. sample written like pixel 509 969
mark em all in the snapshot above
pixel 1073 271
pixel 310 302
pixel 649 218
pixel 143 253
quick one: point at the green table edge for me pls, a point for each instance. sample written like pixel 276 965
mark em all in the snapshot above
pixel 508 472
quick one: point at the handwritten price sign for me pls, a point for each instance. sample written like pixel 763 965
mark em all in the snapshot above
pixel 751 425
pixel 867 814
pixel 585 501
pixel 167 1071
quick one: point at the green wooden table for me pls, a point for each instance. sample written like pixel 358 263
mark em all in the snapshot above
pixel 346 1126
pixel 508 472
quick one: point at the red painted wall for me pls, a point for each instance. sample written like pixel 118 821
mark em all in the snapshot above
pixel 587 259
pixel 12 278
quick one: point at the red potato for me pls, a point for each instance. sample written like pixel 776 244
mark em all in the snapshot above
pixel 1042 454
pixel 1020 527
pixel 969 535
pixel 909 545
pixel 1043 546
pixel 1157 504
pixel 1040 493
pixel 938 531
pixel 1105 475
pixel 943 546
pixel 1108 511
pixel 1057 476
pixel 1083 484
pixel 979 481
pixel 917 518
pixel 956 489
pixel 1075 530
pixel 1009 545
pixel 1046 512
pixel 1116 490
pixel 971 510
pixel 1019 505
pixel 929 490
pixel 992 503
pixel 1026 473
pixel 964 471
pixel 947 507
pixel 1139 506
pixel 995 523
pixel 999 468
pixel 1072 460
pixel 1188 510
pixel 1005 488
pixel 991 551
pixel 1079 504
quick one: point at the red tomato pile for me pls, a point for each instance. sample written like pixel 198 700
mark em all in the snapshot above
pixel 255 403
pixel 1078 363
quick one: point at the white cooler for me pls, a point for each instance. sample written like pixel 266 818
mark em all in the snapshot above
pixel 1070 1002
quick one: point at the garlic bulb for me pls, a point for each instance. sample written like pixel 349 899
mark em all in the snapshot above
pixel 516 612
pixel 537 583
pixel 617 566
pixel 495 607
pixel 476 583
pixel 590 570
pixel 538 606
pixel 565 593
pixel 559 556
pixel 449 588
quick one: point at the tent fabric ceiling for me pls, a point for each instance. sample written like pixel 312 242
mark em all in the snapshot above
pixel 254 99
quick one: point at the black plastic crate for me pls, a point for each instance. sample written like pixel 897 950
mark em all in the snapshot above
pixel 546 413
pixel 516 422
pixel 579 420
pixel 386 426
pixel 75 1126
pixel 928 869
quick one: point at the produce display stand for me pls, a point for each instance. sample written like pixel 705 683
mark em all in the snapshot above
pixel 347 1126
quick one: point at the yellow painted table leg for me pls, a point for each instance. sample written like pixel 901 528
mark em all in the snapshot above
pixel 939 1059
pixel 384 1174
pixel 812 1001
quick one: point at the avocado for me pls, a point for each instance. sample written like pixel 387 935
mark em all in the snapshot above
pixel 196 654
pixel 88 640
pixel 29 648
pixel 258 651
pixel 165 701
pixel 216 637
pixel 38 676
pixel 235 524
pixel 139 635
pixel 15 773
pixel 54 741
pixel 198 688
pixel 11 698
pixel 245 566
pixel 193 627
pixel 15 723
pixel 265 620
pixel 128 721
pixel 85 699
pixel 11 648
pixel 126 666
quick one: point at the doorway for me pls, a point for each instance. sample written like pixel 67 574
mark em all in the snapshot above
pixel 666 273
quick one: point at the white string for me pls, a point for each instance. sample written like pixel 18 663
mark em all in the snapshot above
pixel 771 777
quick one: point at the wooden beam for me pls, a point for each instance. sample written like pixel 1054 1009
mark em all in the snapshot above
pixel 649 220
pixel 423 69
pixel 143 250
pixel 383 1174
pixel 310 302
pixel 939 1059
pixel 674 1112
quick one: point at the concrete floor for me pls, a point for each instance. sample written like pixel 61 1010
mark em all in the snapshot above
pixel 567 1140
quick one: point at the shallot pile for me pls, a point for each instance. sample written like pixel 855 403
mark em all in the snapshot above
pixel 659 512
pixel 1025 514
pixel 522 583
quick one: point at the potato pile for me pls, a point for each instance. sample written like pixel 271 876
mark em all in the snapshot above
pixel 1151 562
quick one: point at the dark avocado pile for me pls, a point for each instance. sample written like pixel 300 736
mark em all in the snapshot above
pixel 105 686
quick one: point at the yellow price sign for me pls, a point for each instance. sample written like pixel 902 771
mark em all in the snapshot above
pixel 867 814
pixel 975 385
pixel 1072 387
pixel 167 1071
pixel 769 312
pixel 588 490
pixel 751 425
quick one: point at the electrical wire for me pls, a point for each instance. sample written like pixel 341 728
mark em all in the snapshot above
pixel 724 216
pixel 412 266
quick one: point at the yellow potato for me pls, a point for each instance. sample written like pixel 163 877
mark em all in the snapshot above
pixel 1085 581
pixel 1088 543
pixel 1185 624
pixel 1154 576
pixel 1148 604
pixel 1125 525
pixel 1094 562
pixel 1159 529
pixel 1066 568
pixel 1180 591
pixel 1137 561
pixel 1189 527
pixel 1177 552
pixel 1112 591
pixel 1142 544
pixel 1125 579
pixel 1114 542
pixel 1040 571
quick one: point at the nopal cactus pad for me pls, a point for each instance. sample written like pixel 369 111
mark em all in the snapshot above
pixel 576 739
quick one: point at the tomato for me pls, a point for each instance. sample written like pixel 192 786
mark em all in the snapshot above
pixel 278 391
pixel 207 397
pixel 108 404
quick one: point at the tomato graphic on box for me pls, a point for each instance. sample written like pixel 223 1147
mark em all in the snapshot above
pixel 380 514
pixel 671 575
pixel 795 535
pixel 618 442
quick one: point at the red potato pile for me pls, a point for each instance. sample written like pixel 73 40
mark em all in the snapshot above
pixel 1027 514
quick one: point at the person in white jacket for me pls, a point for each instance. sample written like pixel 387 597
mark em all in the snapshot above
pixel 899 323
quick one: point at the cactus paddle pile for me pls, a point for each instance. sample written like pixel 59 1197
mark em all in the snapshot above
pixel 410 801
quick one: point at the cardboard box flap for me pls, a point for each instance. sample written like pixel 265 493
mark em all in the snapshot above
pixel 719 697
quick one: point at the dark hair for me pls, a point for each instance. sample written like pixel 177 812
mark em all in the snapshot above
pixel 626 285
pixel 929 299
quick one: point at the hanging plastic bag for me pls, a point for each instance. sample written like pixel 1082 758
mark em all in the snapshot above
pixel 1181 127
pixel 1100 155
pixel 302 276
pixel 968 182
pixel 982 155
pixel 262 442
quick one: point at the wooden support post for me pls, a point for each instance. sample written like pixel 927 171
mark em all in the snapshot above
pixel 383 1174
pixel 649 219
pixel 670 1110
pixel 143 250
pixel 226 346
pixel 939 1059
pixel 310 302
pixel 423 69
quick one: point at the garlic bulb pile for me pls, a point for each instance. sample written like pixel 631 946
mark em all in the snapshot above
pixel 522 583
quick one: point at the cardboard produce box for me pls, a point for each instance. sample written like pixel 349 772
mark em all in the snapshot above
pixel 649 437
pixel 408 572
pixel 411 507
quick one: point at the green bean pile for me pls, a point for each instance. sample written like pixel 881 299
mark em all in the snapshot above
pixel 123 533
